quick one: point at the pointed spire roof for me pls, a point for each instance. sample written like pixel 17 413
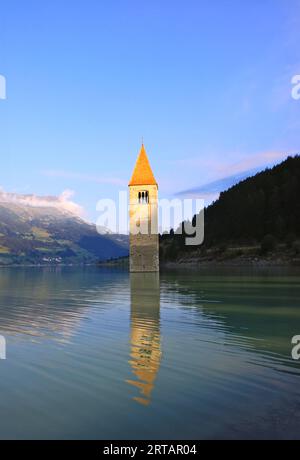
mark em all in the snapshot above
pixel 142 173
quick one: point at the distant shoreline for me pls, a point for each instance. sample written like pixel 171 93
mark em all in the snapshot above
pixel 47 266
pixel 194 263
pixel 272 260
pixel 232 263
pixel 256 262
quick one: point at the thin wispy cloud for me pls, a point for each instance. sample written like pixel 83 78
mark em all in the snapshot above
pixel 225 175
pixel 251 162
pixel 84 177
pixel 224 165
pixel 211 190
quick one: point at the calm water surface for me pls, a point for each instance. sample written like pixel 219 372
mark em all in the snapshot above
pixel 99 354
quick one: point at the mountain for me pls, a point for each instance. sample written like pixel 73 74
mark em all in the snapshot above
pixel 48 235
pixel 260 213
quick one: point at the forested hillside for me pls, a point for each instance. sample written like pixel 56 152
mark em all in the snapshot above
pixel 260 214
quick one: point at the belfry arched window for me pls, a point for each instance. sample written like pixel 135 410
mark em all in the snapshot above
pixel 143 197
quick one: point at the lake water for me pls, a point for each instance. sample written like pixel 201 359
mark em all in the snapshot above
pixel 99 354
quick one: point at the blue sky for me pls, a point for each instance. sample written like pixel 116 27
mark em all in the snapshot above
pixel 206 83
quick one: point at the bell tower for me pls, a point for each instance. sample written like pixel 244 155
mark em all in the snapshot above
pixel 143 217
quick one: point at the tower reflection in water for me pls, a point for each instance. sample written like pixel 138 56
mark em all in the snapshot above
pixel 145 352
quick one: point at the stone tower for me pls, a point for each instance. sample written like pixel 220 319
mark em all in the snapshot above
pixel 143 219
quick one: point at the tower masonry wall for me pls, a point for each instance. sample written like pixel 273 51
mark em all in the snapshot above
pixel 144 241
